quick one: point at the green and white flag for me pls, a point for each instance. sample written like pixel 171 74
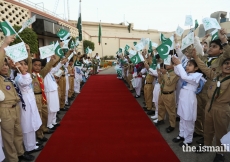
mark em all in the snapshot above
pixel 187 41
pixel 87 50
pixel 167 61
pixel 132 53
pixel 99 34
pixel 134 43
pixel 46 51
pixel 72 44
pixel 145 41
pixel 164 49
pixel 196 24
pixel 63 34
pixel 154 63
pixel 137 58
pixel 66 43
pixel 7 29
pixel 79 23
pixel 150 47
pixel 210 23
pixel 162 38
pixel 120 50
pixel 27 23
pixel 179 31
pixel 214 34
pixel 127 47
pixel 155 45
pixel 58 50
pixel 17 52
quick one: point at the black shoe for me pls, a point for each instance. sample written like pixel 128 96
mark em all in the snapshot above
pixel 54 128
pixel 196 135
pixel 64 109
pixel 144 103
pixel 151 112
pixel 58 119
pixel 200 141
pixel 170 129
pixel 136 96
pixel 145 109
pixel 178 139
pixel 49 131
pixel 38 143
pixel 177 118
pixel 185 144
pixel 26 157
pixel 159 122
pixel 58 112
pixel 44 139
pixel 219 158
pixel 57 125
pixel 67 104
pixel 36 150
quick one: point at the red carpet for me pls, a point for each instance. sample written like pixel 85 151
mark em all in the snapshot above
pixel 106 124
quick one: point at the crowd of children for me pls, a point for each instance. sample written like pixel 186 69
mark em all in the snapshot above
pixel 192 88
pixel 32 92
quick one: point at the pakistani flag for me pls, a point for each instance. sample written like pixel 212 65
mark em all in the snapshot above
pixel 134 43
pixel 214 35
pixel 7 29
pixel 99 34
pixel 58 51
pixel 120 50
pixel 162 38
pixel 137 58
pixel 79 23
pixel 196 24
pixel 154 63
pixel 63 34
pixel 150 47
pixel 87 50
pixel 165 47
pixel 126 47
pixel 72 44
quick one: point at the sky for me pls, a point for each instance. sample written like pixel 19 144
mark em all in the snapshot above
pixel 162 15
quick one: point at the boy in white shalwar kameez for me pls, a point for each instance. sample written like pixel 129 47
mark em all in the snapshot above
pixel 67 83
pixel 187 104
pixel 51 91
pixel 30 118
pixel 2 156
pixel 78 65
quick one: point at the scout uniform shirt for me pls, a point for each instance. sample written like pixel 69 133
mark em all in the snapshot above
pixel 168 81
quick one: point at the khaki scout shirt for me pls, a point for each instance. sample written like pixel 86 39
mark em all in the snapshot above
pixel 168 81
pixel 149 79
pixel 8 89
pixel 224 88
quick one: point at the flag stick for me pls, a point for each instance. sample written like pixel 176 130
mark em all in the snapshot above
pixel 102 47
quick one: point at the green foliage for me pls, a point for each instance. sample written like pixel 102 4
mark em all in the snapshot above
pixel 87 43
pixel 111 57
pixel 105 57
pixel 29 37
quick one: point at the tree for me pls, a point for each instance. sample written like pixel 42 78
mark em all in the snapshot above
pixel 29 37
pixel 87 43
pixel 111 57
pixel 105 57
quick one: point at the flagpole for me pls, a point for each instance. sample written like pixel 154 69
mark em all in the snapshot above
pixel 102 46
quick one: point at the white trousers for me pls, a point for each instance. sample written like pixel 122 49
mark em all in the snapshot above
pixel 29 140
pixel 51 119
pixel 77 81
pixel 67 89
pixel 138 86
pixel 156 93
pixel 2 156
pixel 186 129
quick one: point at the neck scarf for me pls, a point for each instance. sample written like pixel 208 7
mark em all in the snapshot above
pixel 42 87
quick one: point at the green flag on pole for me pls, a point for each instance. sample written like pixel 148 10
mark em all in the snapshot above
pixel 58 50
pixel 154 63
pixel 214 35
pixel 79 23
pixel 150 47
pixel 162 38
pixel 134 43
pixel 196 24
pixel 7 29
pixel 137 58
pixel 63 34
pixel 99 34
pixel 165 48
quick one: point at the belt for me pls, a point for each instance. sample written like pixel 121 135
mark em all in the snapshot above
pixel 148 83
pixel 8 105
pixel 63 75
pixel 38 93
pixel 167 92
pixel 71 75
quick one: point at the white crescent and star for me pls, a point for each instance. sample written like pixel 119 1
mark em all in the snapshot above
pixel 7 31
pixel 58 52
pixel 168 50
pixel 62 33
